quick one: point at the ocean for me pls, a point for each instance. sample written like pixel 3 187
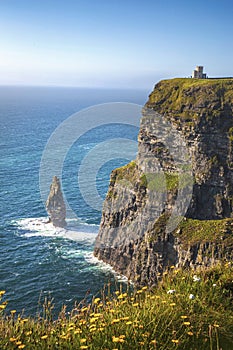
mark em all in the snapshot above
pixel 38 261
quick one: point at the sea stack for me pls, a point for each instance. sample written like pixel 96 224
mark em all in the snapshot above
pixel 55 204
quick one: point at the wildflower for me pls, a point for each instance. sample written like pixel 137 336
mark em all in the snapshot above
pixel 175 341
pixel 214 285
pixel 93 329
pixel 139 291
pixel 117 292
pixel 83 340
pixel 25 320
pixel 13 339
pixel 144 288
pixel 121 296
pixel 116 320
pixel 126 318
pixel 172 267
pixel 190 333
pixel 44 336
pixel 129 322
pixel 186 323
pixel 135 304
pixel 78 331
pixel 2 292
pixel 83 347
pixel 117 339
pixel 216 325
pixel 21 346
pixel 171 291
pixel 18 342
pixel 13 312
pixel 172 304
pixel 96 300
pixel 84 309
pixel 28 333
pixel 183 317
pixel 196 278
pixel 2 306
pixel 153 341
pixel 191 296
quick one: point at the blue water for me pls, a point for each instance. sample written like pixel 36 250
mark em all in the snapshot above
pixel 37 261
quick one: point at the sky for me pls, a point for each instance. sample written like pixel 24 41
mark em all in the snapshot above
pixel 113 43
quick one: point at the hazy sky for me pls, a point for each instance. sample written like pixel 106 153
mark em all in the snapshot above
pixel 113 43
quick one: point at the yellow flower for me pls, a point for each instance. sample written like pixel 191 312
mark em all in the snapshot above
pixel 78 331
pixel 172 304
pixel 83 340
pixel 13 312
pixel 29 333
pixel 44 336
pixel 175 341
pixel 183 317
pixel 13 339
pixel 93 329
pixel 21 346
pixel 190 333
pixel 186 323
pixel 84 309
pixel 116 320
pixel 144 288
pixel 153 341
pixel 135 304
pixel 25 320
pixel 139 291
pixel 18 342
pixel 121 296
pixel 2 306
pixel 216 325
pixel 123 302
pixel 2 292
pixel 129 322
pixel 126 318
pixel 83 347
pixel 172 267
pixel 117 339
pixel 96 300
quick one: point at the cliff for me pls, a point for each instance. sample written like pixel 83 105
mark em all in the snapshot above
pixel 173 204
pixel 55 204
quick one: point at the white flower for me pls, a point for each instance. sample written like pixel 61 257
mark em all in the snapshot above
pixel 171 291
pixel 196 278
pixel 191 296
pixel 214 285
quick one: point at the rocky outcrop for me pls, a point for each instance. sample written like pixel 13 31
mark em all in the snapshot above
pixel 55 204
pixel 184 166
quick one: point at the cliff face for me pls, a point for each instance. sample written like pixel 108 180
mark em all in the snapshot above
pixel 55 204
pixel 184 166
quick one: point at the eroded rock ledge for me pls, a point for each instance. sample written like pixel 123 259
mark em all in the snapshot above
pixel 133 234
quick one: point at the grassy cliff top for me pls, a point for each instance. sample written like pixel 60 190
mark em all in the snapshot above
pixel 187 97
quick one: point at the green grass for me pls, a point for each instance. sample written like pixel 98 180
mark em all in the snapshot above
pixel 183 312
pixel 186 98
pixel 193 231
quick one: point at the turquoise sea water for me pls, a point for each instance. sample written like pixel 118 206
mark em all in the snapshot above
pixel 35 259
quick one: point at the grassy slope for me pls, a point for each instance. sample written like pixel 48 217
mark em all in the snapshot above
pixel 186 97
pixel 184 312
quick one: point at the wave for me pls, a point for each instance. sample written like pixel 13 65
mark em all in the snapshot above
pixel 42 227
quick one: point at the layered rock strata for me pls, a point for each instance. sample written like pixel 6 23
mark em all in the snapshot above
pixel 184 168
